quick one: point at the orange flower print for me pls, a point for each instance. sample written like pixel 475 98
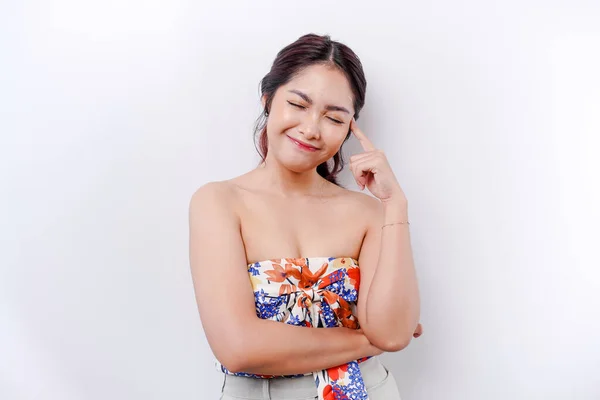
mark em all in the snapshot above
pixel 345 316
pixel 354 275
pixel 349 323
pixel 277 274
pixel 338 372
pixel 291 270
pixel 330 297
pixel 312 292
pixel 308 279
pixel 286 288
pixel 299 262
pixel 328 393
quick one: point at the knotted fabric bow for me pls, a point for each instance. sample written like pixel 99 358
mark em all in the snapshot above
pixel 290 292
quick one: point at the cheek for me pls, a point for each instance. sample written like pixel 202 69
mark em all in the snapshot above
pixel 282 120
pixel 289 117
pixel 335 139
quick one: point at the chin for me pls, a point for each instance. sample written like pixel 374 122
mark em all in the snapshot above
pixel 297 162
pixel 298 166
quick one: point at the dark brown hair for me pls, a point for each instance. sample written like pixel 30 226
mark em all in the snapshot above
pixel 308 50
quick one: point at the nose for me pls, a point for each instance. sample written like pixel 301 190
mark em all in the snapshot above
pixel 310 127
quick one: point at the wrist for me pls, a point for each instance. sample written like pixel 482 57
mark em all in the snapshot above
pixel 396 196
pixel 395 211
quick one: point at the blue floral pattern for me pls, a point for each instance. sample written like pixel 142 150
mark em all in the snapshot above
pixel 288 290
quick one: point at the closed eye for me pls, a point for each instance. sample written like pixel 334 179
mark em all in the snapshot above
pixel 296 105
pixel 302 108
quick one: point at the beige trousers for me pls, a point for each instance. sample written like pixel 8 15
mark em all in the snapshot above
pixel 379 382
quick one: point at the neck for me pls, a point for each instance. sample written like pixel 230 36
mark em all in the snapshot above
pixel 289 183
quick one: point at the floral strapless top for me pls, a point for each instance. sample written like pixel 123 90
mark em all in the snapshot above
pixel 315 292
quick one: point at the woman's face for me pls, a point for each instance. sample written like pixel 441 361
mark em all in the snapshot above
pixel 309 118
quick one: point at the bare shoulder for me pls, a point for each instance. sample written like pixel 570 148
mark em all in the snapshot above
pixel 366 210
pixel 212 189
pixel 213 196
pixel 365 204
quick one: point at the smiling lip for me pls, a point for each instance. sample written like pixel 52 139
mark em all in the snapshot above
pixel 303 145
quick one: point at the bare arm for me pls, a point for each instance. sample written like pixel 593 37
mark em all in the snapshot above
pixel 239 339
pixel 389 304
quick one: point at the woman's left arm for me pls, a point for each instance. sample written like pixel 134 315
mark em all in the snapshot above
pixel 389 302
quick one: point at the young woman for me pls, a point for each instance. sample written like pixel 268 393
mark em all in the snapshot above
pixel 284 249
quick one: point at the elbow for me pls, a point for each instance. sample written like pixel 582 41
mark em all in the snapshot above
pixel 389 336
pixel 235 355
pixel 232 363
pixel 392 344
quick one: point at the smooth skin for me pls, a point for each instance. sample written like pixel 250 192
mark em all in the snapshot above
pixel 282 209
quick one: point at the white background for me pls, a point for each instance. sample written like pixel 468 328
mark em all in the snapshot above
pixel 113 112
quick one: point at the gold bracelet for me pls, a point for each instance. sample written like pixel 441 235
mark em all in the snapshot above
pixel 395 223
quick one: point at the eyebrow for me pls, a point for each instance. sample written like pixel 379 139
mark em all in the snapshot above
pixel 328 107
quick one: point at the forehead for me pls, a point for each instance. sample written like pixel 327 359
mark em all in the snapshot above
pixel 323 84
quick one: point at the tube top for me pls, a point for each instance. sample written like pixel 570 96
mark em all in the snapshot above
pixel 315 292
